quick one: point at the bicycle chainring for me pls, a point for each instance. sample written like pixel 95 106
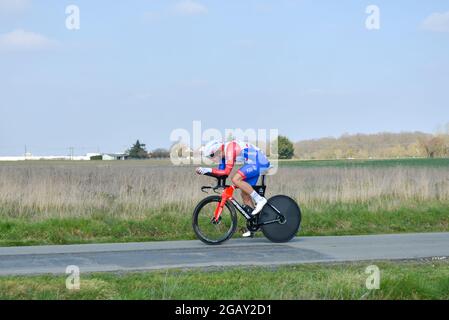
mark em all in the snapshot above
pixel 253 224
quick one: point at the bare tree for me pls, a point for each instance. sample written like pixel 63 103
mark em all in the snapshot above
pixel 434 147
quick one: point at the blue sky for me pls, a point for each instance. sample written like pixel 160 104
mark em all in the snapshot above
pixel 142 68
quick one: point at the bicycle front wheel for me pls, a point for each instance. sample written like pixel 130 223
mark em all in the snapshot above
pixel 204 225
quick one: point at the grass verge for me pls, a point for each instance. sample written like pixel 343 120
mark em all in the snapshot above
pixel 400 280
pixel 380 163
pixel 335 219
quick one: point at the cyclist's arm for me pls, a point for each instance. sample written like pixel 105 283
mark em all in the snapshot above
pixel 227 165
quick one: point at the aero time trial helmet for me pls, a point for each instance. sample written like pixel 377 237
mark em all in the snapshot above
pixel 211 148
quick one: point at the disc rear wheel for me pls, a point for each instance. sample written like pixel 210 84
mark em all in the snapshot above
pixel 287 228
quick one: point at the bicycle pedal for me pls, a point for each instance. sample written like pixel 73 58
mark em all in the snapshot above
pixel 254 218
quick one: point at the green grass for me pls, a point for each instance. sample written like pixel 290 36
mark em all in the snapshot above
pixel 336 219
pixel 358 218
pixel 413 162
pixel 100 229
pixel 401 280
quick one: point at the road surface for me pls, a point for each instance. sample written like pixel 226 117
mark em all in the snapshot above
pixel 239 252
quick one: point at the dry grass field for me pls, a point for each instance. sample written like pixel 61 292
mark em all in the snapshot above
pixel 41 191
pixel 333 198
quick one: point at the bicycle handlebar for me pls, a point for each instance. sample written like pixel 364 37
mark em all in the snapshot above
pixel 221 183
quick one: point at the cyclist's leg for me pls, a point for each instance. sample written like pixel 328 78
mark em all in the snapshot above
pixel 247 200
pixel 241 178
pixel 244 179
pixel 247 177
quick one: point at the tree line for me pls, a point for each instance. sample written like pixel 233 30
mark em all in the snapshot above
pixel 139 151
pixel 356 146
pixel 381 145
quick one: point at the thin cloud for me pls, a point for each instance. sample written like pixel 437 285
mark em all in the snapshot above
pixel 190 8
pixel 437 22
pixel 14 6
pixel 182 8
pixel 21 40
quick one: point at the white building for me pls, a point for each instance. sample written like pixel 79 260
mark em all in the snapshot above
pixel 87 157
pixel 114 156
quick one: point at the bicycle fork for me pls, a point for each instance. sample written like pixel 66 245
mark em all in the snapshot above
pixel 228 193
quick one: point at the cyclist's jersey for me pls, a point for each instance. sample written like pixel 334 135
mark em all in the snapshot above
pixel 244 153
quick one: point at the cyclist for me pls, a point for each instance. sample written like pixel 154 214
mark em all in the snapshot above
pixel 254 163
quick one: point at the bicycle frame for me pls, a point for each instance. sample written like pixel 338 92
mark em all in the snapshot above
pixel 228 195
pixel 249 217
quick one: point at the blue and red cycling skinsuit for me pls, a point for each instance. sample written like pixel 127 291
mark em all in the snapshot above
pixel 255 162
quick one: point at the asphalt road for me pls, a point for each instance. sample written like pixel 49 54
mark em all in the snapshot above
pixel 239 252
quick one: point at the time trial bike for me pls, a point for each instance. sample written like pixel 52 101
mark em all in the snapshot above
pixel 215 218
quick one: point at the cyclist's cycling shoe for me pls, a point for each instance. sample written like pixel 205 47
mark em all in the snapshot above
pixel 259 206
pixel 248 234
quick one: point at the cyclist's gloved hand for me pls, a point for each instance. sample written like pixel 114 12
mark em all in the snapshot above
pixel 203 171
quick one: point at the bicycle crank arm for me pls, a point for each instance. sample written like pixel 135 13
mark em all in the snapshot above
pixel 270 222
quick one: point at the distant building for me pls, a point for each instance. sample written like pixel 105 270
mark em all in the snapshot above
pixel 114 156
pixel 30 157
pixel 87 157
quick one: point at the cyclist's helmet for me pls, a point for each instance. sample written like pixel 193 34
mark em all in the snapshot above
pixel 211 148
